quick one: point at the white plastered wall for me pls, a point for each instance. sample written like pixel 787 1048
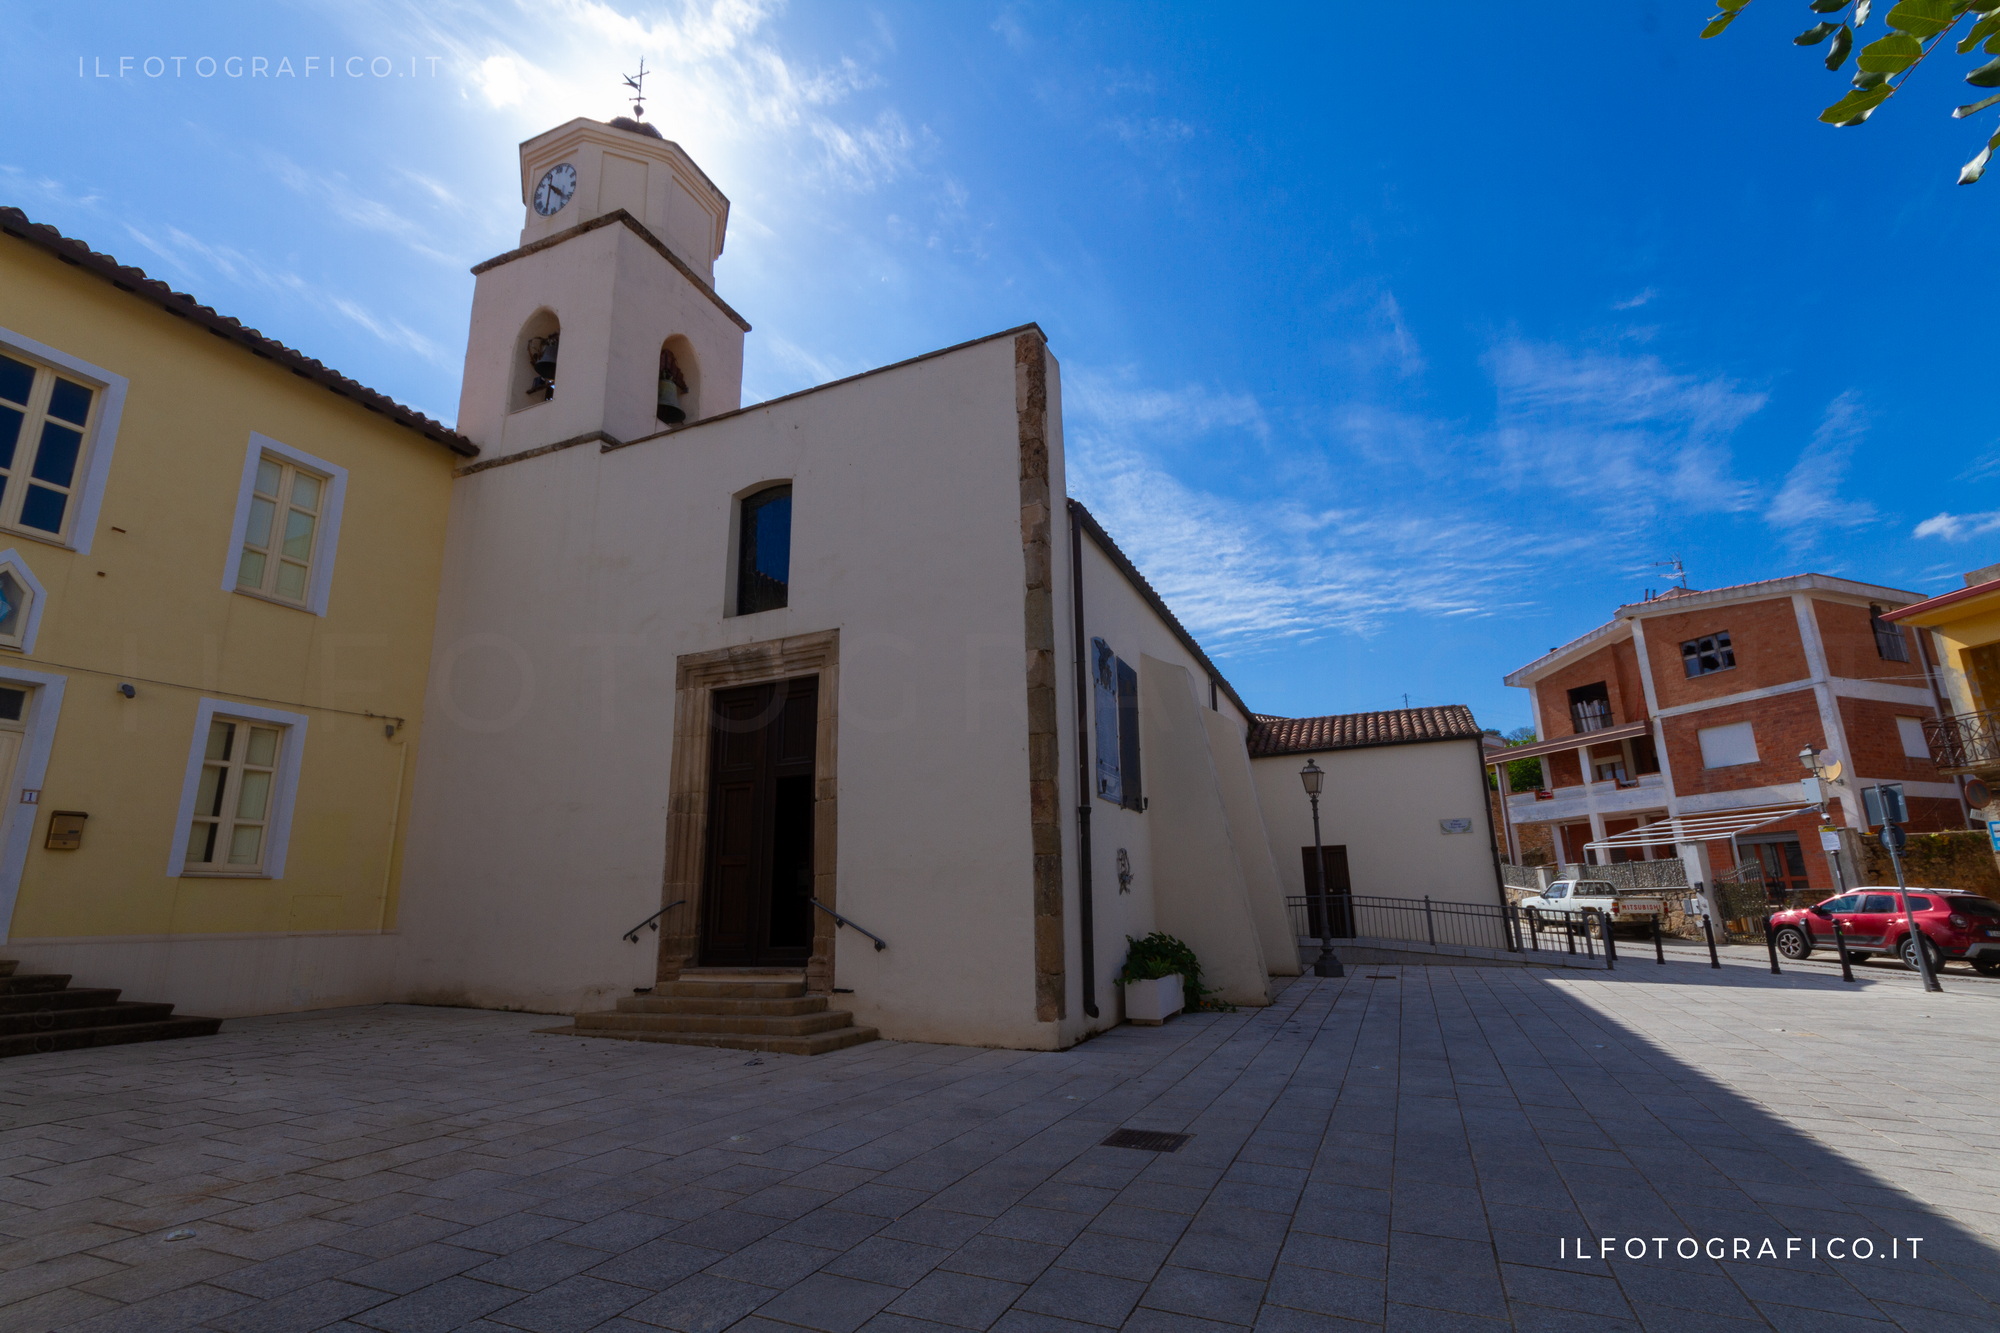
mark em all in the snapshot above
pixel 1384 804
pixel 1252 842
pixel 1199 893
pixel 573 582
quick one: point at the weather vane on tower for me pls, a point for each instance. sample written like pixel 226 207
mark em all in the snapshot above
pixel 637 83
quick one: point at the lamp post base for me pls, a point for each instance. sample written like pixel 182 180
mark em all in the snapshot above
pixel 1326 965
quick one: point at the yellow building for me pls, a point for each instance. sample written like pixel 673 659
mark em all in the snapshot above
pixel 219 566
pixel 1965 625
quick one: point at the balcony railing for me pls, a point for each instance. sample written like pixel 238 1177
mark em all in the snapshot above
pixel 1964 742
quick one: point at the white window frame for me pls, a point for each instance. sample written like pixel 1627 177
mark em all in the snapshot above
pixel 18 818
pixel 31 625
pixel 1910 730
pixel 319 585
pixel 1734 729
pixel 99 439
pixel 278 822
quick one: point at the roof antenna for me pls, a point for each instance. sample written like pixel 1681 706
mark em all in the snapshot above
pixel 637 83
pixel 1679 570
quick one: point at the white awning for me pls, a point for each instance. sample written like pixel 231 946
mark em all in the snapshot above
pixel 1697 828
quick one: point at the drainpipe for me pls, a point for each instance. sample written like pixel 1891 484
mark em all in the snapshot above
pixel 1085 917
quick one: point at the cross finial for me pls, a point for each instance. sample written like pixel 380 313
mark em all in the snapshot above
pixel 637 83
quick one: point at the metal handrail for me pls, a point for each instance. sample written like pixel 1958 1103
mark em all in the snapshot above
pixel 839 920
pixel 632 935
pixel 1964 741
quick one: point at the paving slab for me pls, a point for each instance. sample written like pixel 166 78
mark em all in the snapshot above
pixel 1658 1147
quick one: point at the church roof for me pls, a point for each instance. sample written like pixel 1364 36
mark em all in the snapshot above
pixel 1358 731
pixel 17 224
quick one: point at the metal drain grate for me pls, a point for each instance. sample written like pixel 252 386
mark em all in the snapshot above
pixel 1147 1140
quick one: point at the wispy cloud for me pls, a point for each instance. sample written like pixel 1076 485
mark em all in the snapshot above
pixel 1619 434
pixel 1635 301
pixel 1252 575
pixel 1117 404
pixel 195 260
pixel 1959 527
pixel 1249 573
pixel 726 89
pixel 1809 502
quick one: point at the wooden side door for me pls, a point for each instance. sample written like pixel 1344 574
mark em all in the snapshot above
pixel 1339 891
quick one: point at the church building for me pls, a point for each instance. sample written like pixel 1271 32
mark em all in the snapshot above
pixel 788 724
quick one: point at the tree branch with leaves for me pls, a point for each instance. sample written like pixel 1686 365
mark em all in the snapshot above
pixel 1882 67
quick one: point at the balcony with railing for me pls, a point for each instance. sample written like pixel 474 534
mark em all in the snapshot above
pixel 1965 742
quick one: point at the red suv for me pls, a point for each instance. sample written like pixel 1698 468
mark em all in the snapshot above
pixel 1955 924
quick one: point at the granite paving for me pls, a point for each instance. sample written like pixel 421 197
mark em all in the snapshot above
pixel 1656 1148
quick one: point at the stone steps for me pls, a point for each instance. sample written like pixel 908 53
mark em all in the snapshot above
pixel 39 1013
pixel 740 1009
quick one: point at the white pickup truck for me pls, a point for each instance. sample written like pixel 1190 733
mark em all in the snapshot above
pixel 1576 895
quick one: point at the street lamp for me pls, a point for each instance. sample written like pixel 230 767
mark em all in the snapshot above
pixel 1326 965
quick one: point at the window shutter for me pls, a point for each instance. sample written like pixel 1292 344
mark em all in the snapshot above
pixel 1104 699
pixel 1128 736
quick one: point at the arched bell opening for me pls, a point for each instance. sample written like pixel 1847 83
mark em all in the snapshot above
pixel 533 378
pixel 679 391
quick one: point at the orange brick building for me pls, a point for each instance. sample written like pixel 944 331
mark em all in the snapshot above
pixel 1697 703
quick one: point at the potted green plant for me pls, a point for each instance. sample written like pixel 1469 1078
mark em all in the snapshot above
pixel 1160 978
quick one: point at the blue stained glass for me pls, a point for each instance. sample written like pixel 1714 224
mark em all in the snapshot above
pixel 44 509
pixel 55 461
pixel 6 608
pixel 774 539
pixel 16 379
pixel 69 401
pixel 10 433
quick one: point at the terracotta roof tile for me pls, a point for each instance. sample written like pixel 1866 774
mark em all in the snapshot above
pixel 1355 731
pixel 123 276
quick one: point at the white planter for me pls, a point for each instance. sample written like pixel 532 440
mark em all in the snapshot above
pixel 1153 1002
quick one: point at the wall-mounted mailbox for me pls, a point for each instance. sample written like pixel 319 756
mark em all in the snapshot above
pixel 65 830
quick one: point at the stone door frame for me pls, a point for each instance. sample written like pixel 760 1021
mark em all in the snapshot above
pixel 697 676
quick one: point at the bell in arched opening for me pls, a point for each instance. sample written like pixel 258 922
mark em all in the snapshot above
pixel 673 390
pixel 542 360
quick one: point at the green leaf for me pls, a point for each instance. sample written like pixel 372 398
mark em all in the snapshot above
pixel 1889 55
pixel 1828 6
pixel 1866 81
pixel 1857 106
pixel 1814 35
pixel 1974 108
pixel 1986 76
pixel 1843 42
pixel 1976 168
pixel 1926 18
pixel 1730 9
pixel 1981 30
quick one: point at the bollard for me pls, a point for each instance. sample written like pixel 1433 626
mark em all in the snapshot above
pixel 1840 947
pixel 1708 929
pixel 1771 943
pixel 1659 945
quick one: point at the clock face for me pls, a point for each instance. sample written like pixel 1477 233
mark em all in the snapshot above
pixel 557 185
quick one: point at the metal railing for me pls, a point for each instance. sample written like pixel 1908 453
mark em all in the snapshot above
pixel 1441 923
pixel 632 935
pixel 839 920
pixel 1964 742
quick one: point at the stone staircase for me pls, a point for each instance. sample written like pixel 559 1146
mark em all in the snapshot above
pixel 745 1009
pixel 42 1012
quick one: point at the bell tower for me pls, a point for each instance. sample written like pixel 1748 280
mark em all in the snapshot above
pixel 604 321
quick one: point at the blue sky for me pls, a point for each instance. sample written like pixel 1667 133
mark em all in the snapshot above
pixel 1394 351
